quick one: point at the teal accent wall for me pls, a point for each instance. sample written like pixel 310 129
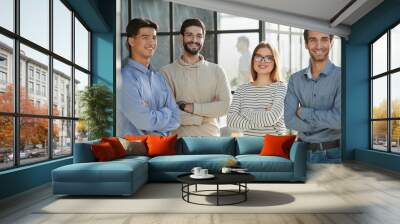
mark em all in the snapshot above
pixel 99 16
pixel 24 178
pixel 356 74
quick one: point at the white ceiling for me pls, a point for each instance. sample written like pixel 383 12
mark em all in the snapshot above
pixel 307 14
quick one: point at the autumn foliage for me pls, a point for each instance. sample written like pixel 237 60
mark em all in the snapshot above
pixel 33 130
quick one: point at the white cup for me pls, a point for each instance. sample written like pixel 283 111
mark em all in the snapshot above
pixel 226 170
pixel 203 172
pixel 196 170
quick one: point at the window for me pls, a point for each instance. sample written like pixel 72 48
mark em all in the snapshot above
pixel 53 125
pixel 385 96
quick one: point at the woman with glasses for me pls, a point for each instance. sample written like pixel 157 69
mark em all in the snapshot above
pixel 257 107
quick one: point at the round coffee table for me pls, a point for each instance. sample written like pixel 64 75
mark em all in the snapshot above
pixel 238 179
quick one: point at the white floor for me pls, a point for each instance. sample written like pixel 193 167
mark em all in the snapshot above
pixel 377 189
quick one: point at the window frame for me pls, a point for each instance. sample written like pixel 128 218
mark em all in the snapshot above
pixel 388 74
pixel 16 115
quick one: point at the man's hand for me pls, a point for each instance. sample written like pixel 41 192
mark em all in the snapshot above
pixel 189 108
pixel 298 111
pixel 145 104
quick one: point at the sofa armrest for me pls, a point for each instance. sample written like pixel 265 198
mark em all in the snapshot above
pixel 83 152
pixel 298 156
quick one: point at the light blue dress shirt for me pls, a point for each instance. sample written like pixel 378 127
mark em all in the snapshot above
pixel 320 101
pixel 145 104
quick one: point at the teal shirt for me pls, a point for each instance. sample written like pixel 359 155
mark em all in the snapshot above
pixel 320 100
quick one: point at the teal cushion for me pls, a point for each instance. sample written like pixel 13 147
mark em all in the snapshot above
pixel 257 163
pixel 111 171
pixel 83 152
pixel 206 145
pixel 185 163
pixel 249 145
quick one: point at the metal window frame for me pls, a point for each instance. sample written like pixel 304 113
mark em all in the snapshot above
pixel 16 113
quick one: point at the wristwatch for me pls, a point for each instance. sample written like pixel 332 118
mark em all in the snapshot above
pixel 182 105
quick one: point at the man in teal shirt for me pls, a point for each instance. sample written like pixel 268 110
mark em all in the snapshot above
pixel 145 104
pixel 313 101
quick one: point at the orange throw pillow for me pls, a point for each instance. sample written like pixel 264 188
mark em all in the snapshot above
pixel 161 145
pixel 277 145
pixel 116 145
pixel 103 151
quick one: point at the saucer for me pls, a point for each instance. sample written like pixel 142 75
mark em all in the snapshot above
pixel 208 176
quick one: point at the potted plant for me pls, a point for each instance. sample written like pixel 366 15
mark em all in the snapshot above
pixel 96 102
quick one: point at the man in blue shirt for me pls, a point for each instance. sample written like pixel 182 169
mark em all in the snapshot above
pixel 145 104
pixel 313 101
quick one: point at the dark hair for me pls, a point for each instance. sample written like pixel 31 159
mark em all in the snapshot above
pixel 276 72
pixel 305 34
pixel 192 22
pixel 133 27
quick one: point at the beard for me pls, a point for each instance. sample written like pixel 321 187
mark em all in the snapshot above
pixel 192 51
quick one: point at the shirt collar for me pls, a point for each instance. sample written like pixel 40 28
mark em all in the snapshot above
pixel 139 66
pixel 326 71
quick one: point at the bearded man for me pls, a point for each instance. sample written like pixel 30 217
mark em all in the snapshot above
pixel 200 87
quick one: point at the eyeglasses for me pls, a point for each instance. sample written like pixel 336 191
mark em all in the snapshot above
pixel 192 36
pixel 266 58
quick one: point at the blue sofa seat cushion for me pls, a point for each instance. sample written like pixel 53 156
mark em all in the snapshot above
pixel 206 145
pixel 257 163
pixel 111 171
pixel 184 163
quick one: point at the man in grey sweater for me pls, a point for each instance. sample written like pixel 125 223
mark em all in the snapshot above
pixel 199 86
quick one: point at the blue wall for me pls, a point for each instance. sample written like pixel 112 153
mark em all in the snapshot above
pixel 356 74
pixel 100 17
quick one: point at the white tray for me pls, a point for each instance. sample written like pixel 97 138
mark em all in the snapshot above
pixel 208 176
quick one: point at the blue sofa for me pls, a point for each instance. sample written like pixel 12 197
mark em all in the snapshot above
pixel 125 176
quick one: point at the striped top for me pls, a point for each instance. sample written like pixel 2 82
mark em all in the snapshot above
pixel 258 110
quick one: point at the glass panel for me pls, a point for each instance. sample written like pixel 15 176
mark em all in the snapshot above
pixel 207 51
pixel 33 139
pixel 6 74
pixel 295 53
pixel 125 51
pixel 124 15
pixel 232 22
pixel 81 81
pixel 7 14
pixel 62 29
pixel 379 55
pixel 62 89
pixel 81 131
pixel 182 12
pixel 395 94
pixel 284 51
pixel 305 55
pixel 395 136
pixel 81 45
pixel 155 10
pixel 62 141
pixel 35 21
pixel 34 81
pixel 379 98
pixel 336 51
pixel 6 142
pixel 234 56
pixel 161 56
pixel 379 135
pixel 395 47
